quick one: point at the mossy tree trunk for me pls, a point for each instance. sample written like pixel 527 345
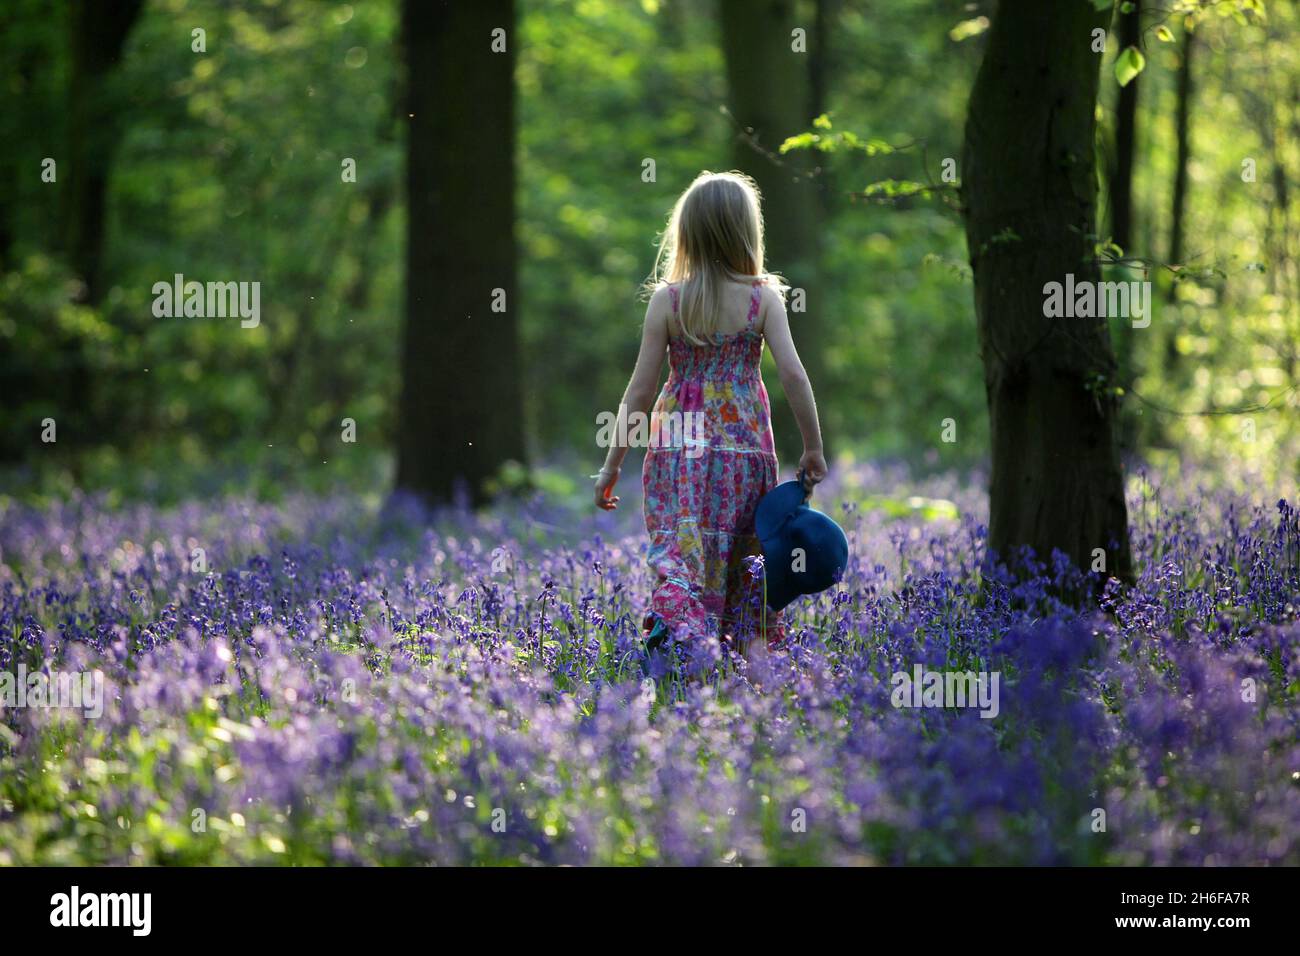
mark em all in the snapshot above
pixel 1029 194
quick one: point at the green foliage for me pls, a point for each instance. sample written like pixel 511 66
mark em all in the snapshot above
pixel 1215 374
pixel 227 167
pixel 839 141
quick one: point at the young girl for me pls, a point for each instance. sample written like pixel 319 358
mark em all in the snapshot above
pixel 711 309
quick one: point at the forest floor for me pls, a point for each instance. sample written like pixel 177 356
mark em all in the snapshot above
pixel 322 680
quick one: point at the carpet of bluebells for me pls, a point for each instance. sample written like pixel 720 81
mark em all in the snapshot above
pixel 351 683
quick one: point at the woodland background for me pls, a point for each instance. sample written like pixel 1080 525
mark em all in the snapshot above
pixel 225 165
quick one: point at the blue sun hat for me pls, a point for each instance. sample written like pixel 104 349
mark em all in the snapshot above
pixel 804 551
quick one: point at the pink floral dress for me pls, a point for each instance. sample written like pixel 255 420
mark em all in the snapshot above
pixel 703 482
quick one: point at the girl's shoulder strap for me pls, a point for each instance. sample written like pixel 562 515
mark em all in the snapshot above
pixel 672 294
pixel 755 302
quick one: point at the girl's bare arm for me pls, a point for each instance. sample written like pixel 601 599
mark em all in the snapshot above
pixel 794 379
pixel 641 388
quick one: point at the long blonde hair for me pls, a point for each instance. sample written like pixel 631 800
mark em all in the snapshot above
pixel 714 235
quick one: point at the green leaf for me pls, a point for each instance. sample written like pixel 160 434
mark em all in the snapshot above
pixel 1165 34
pixel 1102 4
pixel 1128 65
pixel 968 28
pixel 798 141
pixel 895 189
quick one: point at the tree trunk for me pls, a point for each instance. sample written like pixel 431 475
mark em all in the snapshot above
pixel 1178 212
pixel 820 68
pixel 1121 182
pixel 769 90
pixel 1183 125
pixel 819 56
pixel 98 34
pixel 461 405
pixel 1029 193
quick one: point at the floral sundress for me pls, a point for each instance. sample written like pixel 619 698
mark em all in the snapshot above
pixel 703 484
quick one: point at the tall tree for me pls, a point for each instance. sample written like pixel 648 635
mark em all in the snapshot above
pixel 1129 24
pixel 819 55
pixel 460 415
pixel 98 35
pixel 1029 194
pixel 771 97
pixel 1182 161
pixel 819 73
pixel 1183 128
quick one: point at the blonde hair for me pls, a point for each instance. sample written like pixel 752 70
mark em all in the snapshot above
pixel 714 235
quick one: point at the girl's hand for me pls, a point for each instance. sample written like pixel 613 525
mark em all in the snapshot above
pixel 814 466
pixel 605 482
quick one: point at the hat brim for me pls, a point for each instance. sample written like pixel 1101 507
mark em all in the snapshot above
pixel 775 506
